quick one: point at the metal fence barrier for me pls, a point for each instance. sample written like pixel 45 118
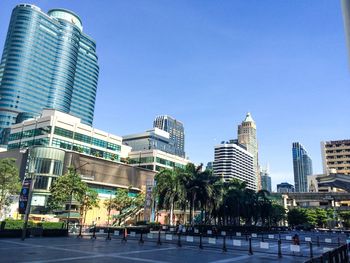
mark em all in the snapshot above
pixel 310 246
pixel 337 255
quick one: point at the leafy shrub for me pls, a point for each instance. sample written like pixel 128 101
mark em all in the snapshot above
pixel 16 224
pixel 140 223
pixel 153 224
pixel 51 225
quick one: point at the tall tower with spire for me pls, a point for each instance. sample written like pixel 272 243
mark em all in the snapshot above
pixel 247 137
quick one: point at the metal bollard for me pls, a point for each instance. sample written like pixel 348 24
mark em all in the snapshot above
pixel 318 241
pixel 108 234
pixel 339 241
pixel 246 236
pixel 224 249
pixel 94 233
pixel 159 242
pixel 125 234
pixel 80 231
pixel 250 246
pixel 179 239
pixel 279 248
pixel 200 241
pixel 262 237
pixel 141 241
pixel 311 250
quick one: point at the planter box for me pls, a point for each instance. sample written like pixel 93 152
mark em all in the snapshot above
pixel 55 233
pixel 36 231
pixel 16 233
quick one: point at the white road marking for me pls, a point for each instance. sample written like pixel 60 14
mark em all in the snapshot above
pixel 143 251
pixel 64 259
pixel 231 259
pixel 140 259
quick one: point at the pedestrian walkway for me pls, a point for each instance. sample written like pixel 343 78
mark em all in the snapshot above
pixel 72 249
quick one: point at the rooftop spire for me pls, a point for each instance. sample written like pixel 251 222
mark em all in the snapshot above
pixel 248 118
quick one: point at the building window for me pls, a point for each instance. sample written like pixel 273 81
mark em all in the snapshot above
pixel 82 138
pixel 41 182
pixel 42 131
pixel 99 143
pixel 63 132
pixel 15 136
pixel 61 144
pixel 113 147
pixel 57 167
pixel 42 165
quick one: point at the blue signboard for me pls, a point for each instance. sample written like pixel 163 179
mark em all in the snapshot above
pixel 23 197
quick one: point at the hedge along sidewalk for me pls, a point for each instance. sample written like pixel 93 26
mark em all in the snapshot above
pixel 18 224
pixel 13 228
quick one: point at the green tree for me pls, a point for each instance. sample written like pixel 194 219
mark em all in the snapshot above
pixel 345 217
pixel 278 213
pixel 9 182
pixel 296 216
pixel 321 217
pixel 89 201
pixel 311 216
pixel 123 201
pixel 66 188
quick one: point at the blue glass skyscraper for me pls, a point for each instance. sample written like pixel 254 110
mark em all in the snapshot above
pixel 302 166
pixel 47 62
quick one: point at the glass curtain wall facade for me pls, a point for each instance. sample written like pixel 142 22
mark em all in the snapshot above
pixel 176 131
pixel 47 62
pixel 302 166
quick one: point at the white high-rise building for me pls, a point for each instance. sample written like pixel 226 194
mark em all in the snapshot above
pixel 232 160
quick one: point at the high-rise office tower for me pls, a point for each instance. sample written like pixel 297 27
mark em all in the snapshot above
pixel 47 62
pixel 302 166
pixel 232 160
pixel 336 156
pixel 176 131
pixel 247 137
pixel 265 180
pixel 346 19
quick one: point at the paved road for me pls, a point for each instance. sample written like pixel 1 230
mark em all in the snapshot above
pixel 72 249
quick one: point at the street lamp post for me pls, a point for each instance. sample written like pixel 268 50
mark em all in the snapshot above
pixel 32 176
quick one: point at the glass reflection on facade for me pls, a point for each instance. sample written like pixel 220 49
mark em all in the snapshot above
pixel 47 62
pixel 302 166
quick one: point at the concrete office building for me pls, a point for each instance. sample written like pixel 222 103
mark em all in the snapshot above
pixel 285 188
pixel 247 137
pixel 336 157
pixel 60 130
pixel 156 160
pixel 104 176
pixel 153 150
pixel 47 62
pixel 302 167
pixel 176 132
pixel 232 160
pixel 152 139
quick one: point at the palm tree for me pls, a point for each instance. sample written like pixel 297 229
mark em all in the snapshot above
pixel 232 201
pixel 195 184
pixel 169 190
pixel 264 205
pixel 248 206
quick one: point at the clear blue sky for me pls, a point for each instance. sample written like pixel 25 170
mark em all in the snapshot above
pixel 209 62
